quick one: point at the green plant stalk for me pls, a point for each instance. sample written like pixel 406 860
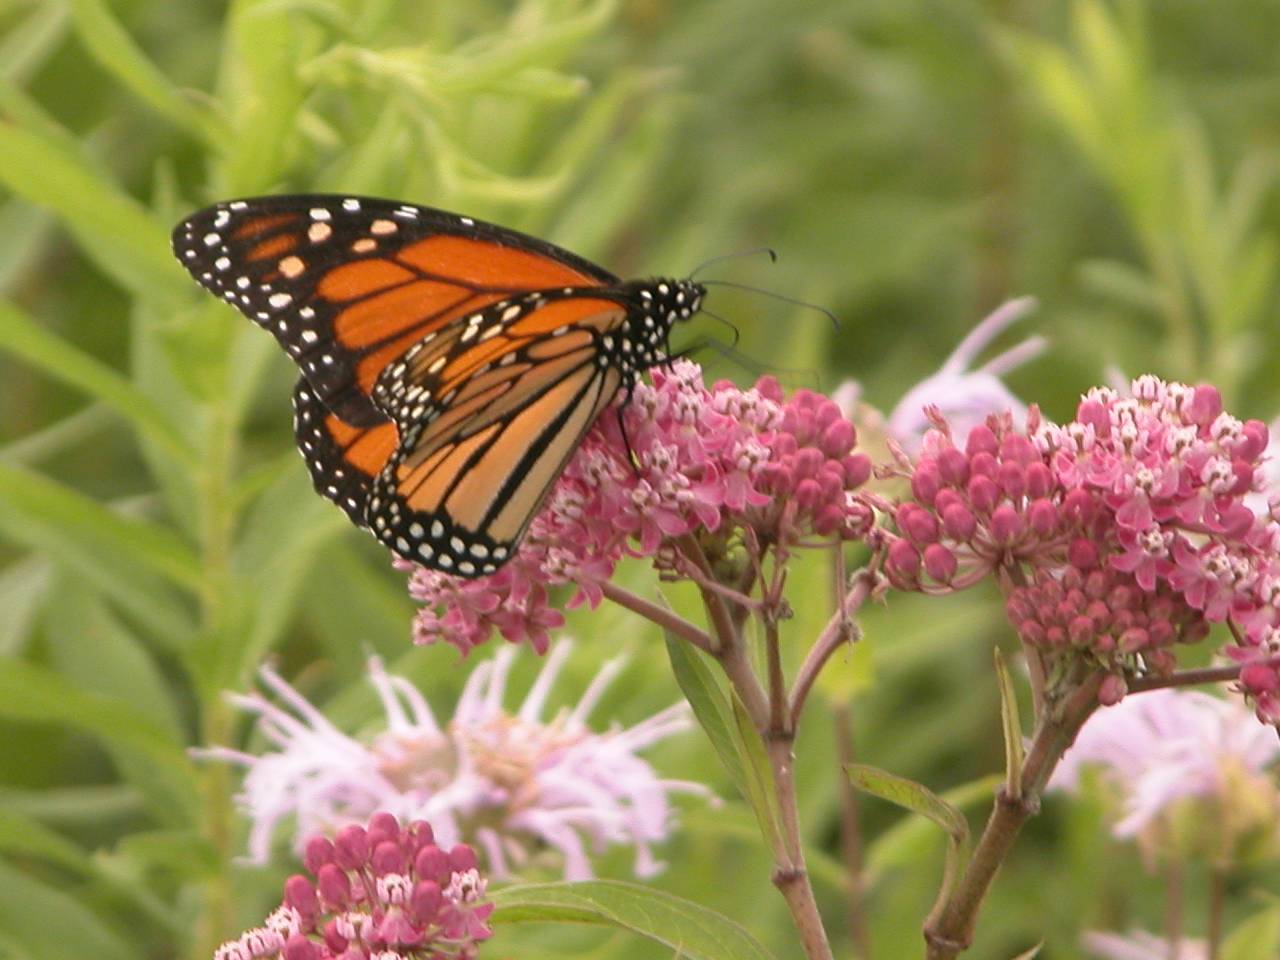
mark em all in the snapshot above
pixel 949 932
pixel 216 527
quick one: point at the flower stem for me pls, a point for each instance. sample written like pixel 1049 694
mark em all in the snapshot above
pixel 851 836
pixel 790 875
pixel 664 617
pixel 1217 902
pixel 949 932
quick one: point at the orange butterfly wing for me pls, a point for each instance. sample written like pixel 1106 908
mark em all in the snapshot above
pixel 347 285
pixel 490 411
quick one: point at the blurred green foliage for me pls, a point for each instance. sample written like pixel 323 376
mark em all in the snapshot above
pixel 915 162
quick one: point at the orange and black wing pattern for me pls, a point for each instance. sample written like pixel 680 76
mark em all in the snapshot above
pixel 348 284
pixel 449 367
pixel 489 411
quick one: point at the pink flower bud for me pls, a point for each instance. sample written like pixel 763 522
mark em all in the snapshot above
pixel 953 466
pixel 838 438
pixel 1113 690
pixel 1006 524
pixel 903 561
pixel 425 901
pixel 432 863
pixel 940 563
pixel 301 895
pixel 808 493
pixel 984 465
pixel 857 470
pixel 1012 479
pixel 959 522
pixel 1204 406
pixel 462 858
pixel 1039 480
pixel 983 494
pixel 981 440
pixel 1015 448
pixel 1042 516
pixel 387 858
pixel 917 523
pixel 335 887
pixel 925 483
pixel 351 847
pixel 300 947
pixel 1082 554
pixel 383 827
pixel 317 853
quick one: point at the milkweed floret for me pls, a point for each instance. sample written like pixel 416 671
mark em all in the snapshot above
pixel 681 459
pixel 381 892
pixel 1116 535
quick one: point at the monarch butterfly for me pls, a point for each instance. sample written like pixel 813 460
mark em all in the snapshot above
pixel 450 367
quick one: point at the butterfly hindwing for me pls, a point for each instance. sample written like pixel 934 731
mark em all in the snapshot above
pixel 485 433
pixel 348 284
pixel 343 460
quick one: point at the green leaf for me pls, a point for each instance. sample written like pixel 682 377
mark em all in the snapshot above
pixel 689 929
pixel 761 788
pixel 921 800
pixel 30 503
pixel 29 340
pixel 1012 724
pixel 22 837
pixel 1032 953
pixel 113 228
pixel 110 44
pixel 35 695
pixel 710 706
pixel 1258 936
pixel 902 843
pixel 49 924
pixel 732 734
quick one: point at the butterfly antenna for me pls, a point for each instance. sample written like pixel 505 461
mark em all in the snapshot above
pixel 754 251
pixel 835 321
pixel 716 316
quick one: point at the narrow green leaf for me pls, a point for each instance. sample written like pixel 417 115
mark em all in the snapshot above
pixel 732 734
pixel 1032 953
pixel 110 44
pixel 901 844
pixel 690 930
pixel 1258 936
pixel 909 795
pixel 710 706
pixel 35 695
pixel 91 527
pixel 920 799
pixel 50 924
pixel 113 228
pixel 1012 723
pixel 762 790
pixel 25 338
pixel 25 47
pixel 24 837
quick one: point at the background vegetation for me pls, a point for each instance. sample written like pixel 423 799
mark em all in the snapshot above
pixel 914 161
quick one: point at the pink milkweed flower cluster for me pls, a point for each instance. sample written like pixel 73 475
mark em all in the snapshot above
pixel 1115 535
pixel 692 460
pixel 509 782
pixel 1165 747
pixel 386 892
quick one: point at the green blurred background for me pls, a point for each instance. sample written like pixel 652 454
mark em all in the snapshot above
pixel 915 162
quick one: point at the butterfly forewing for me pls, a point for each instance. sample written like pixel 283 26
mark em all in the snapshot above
pixel 347 284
